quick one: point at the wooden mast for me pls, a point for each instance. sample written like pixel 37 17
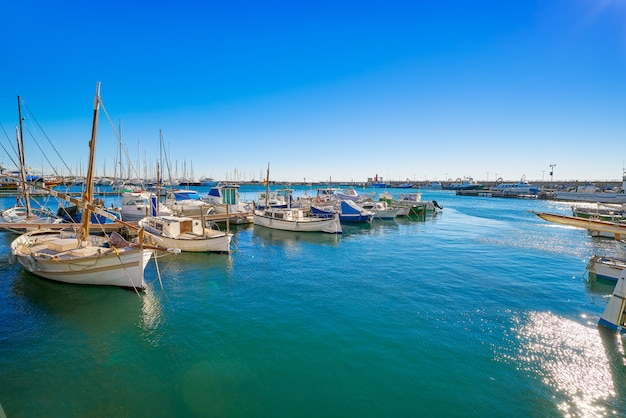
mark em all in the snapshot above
pixel 20 151
pixel 88 193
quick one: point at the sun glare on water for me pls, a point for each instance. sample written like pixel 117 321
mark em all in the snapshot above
pixel 582 367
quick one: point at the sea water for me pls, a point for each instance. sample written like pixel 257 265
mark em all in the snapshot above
pixel 481 310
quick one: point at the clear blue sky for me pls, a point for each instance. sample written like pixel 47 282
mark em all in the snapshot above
pixel 325 89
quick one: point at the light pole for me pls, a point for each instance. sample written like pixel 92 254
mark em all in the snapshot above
pixel 552 172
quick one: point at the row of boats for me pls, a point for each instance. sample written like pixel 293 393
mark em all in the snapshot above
pixel 609 221
pixel 85 252
pixel 185 221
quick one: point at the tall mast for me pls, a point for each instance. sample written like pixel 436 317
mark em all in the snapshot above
pixel 267 185
pixel 88 194
pixel 20 151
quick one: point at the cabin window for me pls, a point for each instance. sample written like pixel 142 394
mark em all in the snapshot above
pixel 186 226
pixel 229 196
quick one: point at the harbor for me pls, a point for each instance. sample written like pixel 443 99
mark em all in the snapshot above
pixel 350 316
pixel 412 209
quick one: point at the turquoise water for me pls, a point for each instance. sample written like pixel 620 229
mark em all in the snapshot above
pixel 481 310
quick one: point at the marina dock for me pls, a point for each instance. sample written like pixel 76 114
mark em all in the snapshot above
pixel 544 195
pixel 122 228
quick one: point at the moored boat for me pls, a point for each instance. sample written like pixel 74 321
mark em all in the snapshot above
pixel 515 189
pixel 380 209
pixel 296 219
pixel 80 257
pixel 224 199
pixel 590 193
pixel 609 229
pixel 185 234
pixel 611 213
pixel 347 210
pixel 183 202
pixel 467 183
pixel 607 268
pixel 614 315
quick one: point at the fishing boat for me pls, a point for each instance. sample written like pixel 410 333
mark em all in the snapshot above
pixel 273 199
pixel 224 199
pixel 603 212
pixel 379 183
pixel 186 234
pixel 605 228
pixel 81 257
pixel 607 268
pixel 405 185
pixel 347 194
pixel 614 315
pixel 515 189
pixel 326 194
pixel 137 205
pixel 347 210
pixel 435 185
pixel 297 220
pixel 294 219
pixel 380 209
pixel 590 193
pixel 183 202
pixel 467 183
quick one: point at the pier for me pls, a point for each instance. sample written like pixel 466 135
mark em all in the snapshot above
pixel 544 195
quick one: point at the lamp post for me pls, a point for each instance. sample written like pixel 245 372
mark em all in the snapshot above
pixel 552 172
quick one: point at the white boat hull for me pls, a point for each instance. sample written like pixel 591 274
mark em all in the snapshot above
pixel 218 242
pixel 42 255
pixel 606 268
pixel 605 197
pixel 614 315
pixel 304 224
pixel 238 214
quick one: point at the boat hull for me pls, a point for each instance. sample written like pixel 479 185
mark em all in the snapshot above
pixel 218 243
pixel 591 197
pixel 606 268
pixel 608 229
pixel 307 224
pixel 89 265
pixel 386 214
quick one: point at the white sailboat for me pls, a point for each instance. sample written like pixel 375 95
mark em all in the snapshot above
pixel 23 213
pixel 80 257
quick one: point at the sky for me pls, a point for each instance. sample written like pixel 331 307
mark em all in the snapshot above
pixel 339 90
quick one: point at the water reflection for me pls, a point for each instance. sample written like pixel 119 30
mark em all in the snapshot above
pixel 268 236
pixel 94 310
pixel 585 370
